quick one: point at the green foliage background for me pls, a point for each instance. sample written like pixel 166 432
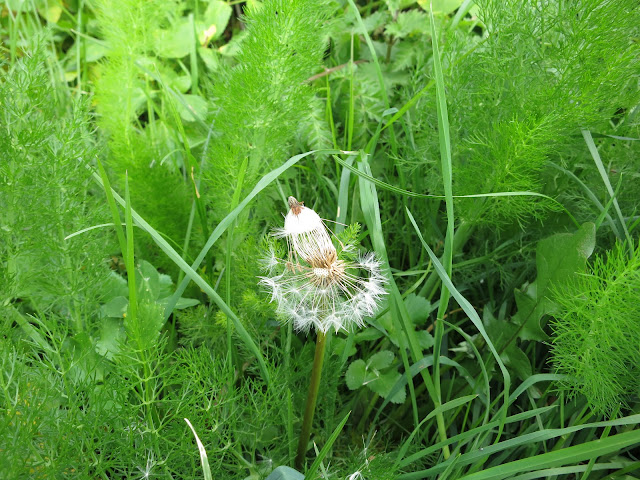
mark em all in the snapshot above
pixel 191 106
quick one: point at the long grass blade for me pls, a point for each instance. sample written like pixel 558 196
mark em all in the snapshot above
pixel 129 256
pixel 325 450
pixel 605 179
pixel 552 459
pixel 466 437
pixel 371 210
pixel 574 454
pixel 408 193
pixel 471 313
pixel 117 221
pixel 436 411
pixel 447 180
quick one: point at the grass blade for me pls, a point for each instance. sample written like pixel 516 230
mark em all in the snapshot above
pixel 408 193
pixel 574 454
pixel 466 437
pixel 129 255
pixel 447 180
pixel 374 56
pixel 555 472
pixel 113 208
pixel 605 178
pixel 532 380
pixel 436 411
pixel 325 450
pixel 204 460
pixel 592 197
pixel 556 458
pixel 371 210
pixel 471 313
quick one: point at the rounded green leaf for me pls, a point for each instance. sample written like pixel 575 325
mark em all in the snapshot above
pixel 380 360
pixel 355 374
pixel 177 41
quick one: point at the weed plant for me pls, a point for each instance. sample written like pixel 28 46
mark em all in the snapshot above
pixel 487 152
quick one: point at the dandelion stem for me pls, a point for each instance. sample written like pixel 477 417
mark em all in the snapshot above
pixel 312 396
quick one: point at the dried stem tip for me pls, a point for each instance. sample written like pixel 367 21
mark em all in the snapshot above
pixel 295 205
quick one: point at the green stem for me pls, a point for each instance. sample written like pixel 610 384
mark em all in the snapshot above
pixel 312 396
pixel 367 412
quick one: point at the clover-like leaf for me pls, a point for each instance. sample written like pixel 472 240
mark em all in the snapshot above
pixel 380 360
pixel 355 374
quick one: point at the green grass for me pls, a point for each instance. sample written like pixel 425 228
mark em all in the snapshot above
pixel 487 153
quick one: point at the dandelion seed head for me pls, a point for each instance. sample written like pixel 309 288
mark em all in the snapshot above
pixel 323 292
pixel 348 247
pixel 369 261
pixel 364 304
pixel 273 285
pixel 334 321
pixel 314 287
pixel 147 471
pixel 294 292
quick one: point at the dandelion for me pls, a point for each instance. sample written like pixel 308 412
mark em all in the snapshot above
pixel 313 286
pixel 316 286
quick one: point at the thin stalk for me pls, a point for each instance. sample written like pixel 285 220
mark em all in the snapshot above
pixel 367 412
pixel 349 131
pixel 193 54
pixel 227 271
pixel 80 50
pixel 287 356
pixel 312 396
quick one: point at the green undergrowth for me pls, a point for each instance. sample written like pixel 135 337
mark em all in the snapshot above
pixel 487 152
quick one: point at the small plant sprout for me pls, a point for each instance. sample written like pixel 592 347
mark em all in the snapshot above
pixel 318 285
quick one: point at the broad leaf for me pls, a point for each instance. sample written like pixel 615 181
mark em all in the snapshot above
pixel 214 21
pixel 558 259
pixel 380 360
pixel 355 374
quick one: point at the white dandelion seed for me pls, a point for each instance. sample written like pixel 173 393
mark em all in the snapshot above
pixel 269 261
pixel 148 469
pixel 316 288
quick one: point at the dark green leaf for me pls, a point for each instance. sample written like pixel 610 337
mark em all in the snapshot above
pixel 558 259
pixel 355 374
pixel 111 337
pixel 115 308
pixel 380 360
pixel 418 307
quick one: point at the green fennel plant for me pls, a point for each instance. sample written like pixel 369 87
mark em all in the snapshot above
pixel 595 331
